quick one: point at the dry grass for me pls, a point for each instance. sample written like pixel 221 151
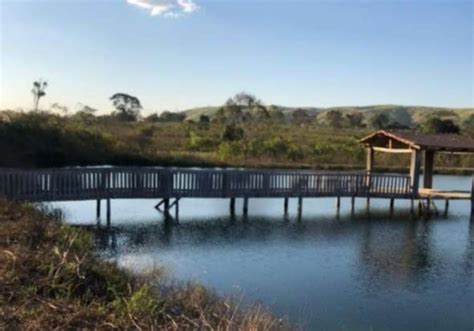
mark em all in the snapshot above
pixel 51 280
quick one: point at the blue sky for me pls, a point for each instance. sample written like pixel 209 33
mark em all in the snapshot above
pixel 198 53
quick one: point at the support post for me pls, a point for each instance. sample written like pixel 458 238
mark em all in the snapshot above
pixel 352 205
pixel 109 212
pixel 412 207
pixel 176 210
pixel 369 167
pixel 446 208
pixel 472 199
pixel 285 206
pixel 368 205
pixel 370 160
pixel 300 207
pixel 428 169
pixel 98 209
pixel 166 203
pixel 415 171
pixel 232 207
pixel 246 206
pixel 428 208
pixel 338 204
pixel 392 205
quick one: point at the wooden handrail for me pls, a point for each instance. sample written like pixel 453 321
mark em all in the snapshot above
pixel 146 182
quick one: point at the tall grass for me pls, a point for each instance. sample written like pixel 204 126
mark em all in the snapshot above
pixel 45 140
pixel 51 279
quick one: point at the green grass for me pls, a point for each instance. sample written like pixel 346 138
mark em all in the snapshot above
pixel 51 279
pixel 44 140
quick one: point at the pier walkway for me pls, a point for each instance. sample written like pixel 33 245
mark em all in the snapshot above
pixel 165 184
pixel 155 183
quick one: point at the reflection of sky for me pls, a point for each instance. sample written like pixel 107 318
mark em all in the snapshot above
pixel 381 273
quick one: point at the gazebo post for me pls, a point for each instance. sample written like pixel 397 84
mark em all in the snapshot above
pixel 370 160
pixel 428 166
pixel 415 170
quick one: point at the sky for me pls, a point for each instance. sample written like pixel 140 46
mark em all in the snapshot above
pixel 180 54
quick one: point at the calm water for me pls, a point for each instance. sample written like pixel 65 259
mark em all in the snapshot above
pixel 323 273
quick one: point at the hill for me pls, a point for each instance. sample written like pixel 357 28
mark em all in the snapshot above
pixel 405 115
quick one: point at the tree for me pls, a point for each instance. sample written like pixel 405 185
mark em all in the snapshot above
pixel 355 119
pixel 276 114
pixel 38 91
pixel 60 108
pixel 437 125
pixel 85 114
pixel 204 119
pixel 300 116
pixel 128 107
pixel 380 121
pixel 241 108
pixel 335 118
pixel 232 132
pixel 168 116
pixel 152 118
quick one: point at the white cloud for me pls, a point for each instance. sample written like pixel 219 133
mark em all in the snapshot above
pixel 167 8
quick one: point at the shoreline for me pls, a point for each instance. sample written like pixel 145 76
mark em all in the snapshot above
pixel 52 278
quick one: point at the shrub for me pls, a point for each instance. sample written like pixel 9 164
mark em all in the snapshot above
pixel 232 132
pixel 230 149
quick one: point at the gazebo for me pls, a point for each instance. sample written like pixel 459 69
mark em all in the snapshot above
pixel 422 149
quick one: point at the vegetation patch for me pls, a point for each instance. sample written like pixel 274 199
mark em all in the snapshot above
pixel 51 279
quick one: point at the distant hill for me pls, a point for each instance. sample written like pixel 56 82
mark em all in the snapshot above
pixel 405 115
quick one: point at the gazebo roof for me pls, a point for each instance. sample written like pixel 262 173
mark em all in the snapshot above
pixel 415 140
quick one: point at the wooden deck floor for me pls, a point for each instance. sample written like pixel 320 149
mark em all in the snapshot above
pixel 444 194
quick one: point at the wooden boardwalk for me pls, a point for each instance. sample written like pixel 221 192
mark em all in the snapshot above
pixel 68 184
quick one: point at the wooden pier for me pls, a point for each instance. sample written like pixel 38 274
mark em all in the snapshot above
pixel 166 184
pixel 172 184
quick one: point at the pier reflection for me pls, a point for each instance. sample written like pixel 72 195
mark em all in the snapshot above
pixel 389 251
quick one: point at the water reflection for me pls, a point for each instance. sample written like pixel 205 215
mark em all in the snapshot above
pixel 389 251
pixel 352 273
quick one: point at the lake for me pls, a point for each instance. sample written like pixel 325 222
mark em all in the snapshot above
pixel 360 272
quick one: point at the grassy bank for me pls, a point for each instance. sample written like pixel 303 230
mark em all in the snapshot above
pixel 51 279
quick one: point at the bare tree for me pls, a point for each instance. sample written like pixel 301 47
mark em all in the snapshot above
pixel 38 91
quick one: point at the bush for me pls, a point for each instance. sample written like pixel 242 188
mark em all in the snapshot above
pixel 232 132
pixel 230 149
pixel 199 143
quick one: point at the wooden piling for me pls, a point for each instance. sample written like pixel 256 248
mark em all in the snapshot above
pixel 232 206
pixel 446 208
pixel 412 207
pixel 368 206
pixel 338 204
pixel 166 203
pixel 176 210
pixel 109 212
pixel 246 206
pixel 98 210
pixel 352 205
pixel 300 207
pixel 472 199
pixel 285 206
pixel 428 208
pixel 392 205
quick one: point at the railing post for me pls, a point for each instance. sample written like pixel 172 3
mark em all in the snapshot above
pixel 225 184
pixel 472 199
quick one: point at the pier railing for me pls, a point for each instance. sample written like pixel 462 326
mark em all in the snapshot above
pixel 108 183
